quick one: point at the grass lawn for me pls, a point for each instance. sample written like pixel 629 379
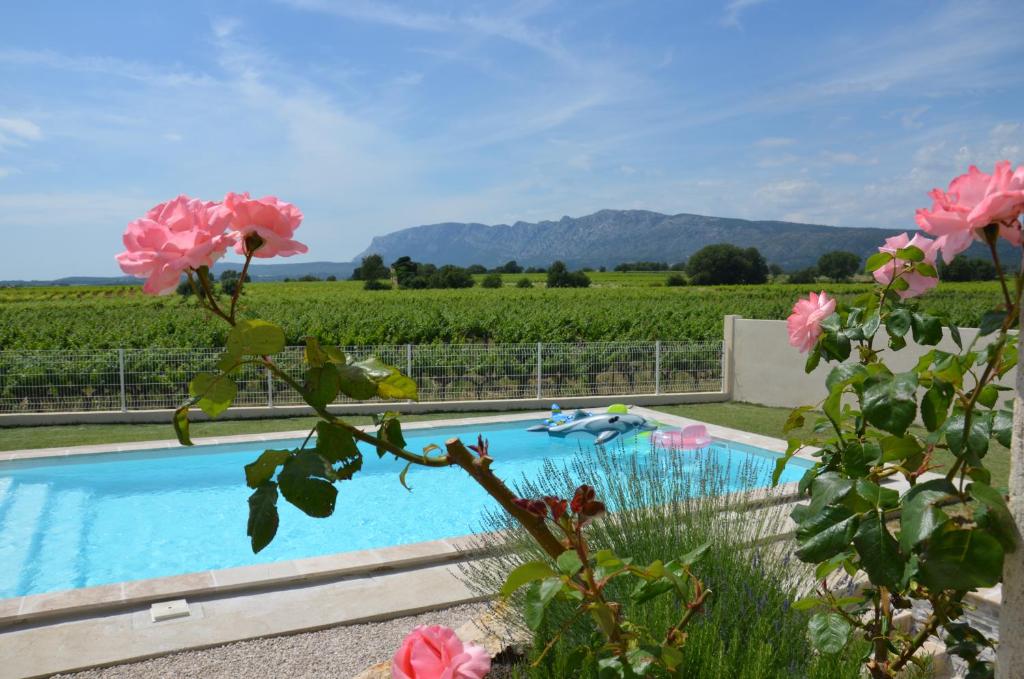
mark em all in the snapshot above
pixel 743 416
pixel 21 438
pixel 769 421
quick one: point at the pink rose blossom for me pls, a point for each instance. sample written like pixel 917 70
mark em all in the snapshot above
pixel 804 324
pixel 973 201
pixel 271 219
pixel 173 237
pixel 437 653
pixel 919 283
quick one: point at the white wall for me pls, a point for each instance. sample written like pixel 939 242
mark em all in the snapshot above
pixel 767 370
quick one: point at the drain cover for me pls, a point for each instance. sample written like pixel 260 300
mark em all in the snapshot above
pixel 168 610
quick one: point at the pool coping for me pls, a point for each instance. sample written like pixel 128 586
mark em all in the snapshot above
pixel 99 599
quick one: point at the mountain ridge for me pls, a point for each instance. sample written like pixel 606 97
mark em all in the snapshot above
pixel 609 237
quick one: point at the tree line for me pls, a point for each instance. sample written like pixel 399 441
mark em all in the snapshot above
pixel 717 264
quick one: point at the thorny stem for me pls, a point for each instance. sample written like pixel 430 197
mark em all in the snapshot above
pixel 238 288
pixel 933 622
pixel 479 470
pixel 999 271
pixel 691 610
pixel 356 432
pixel 1013 307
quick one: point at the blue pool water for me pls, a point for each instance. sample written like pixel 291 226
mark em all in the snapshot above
pixel 95 519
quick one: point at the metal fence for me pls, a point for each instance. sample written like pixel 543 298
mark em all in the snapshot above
pixel 144 379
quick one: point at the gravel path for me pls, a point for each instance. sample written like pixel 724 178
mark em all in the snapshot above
pixel 336 653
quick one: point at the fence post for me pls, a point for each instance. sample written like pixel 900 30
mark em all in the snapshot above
pixel 124 393
pixel 728 347
pixel 408 360
pixel 270 389
pixel 540 374
pixel 657 367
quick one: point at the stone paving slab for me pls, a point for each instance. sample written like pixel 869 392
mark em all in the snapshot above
pixel 121 637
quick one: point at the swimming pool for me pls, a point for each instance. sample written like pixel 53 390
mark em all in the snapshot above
pixel 87 520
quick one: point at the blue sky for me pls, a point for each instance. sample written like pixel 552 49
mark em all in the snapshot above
pixel 374 115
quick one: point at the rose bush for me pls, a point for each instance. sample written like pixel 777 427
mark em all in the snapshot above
pixel 184 237
pixel 944 534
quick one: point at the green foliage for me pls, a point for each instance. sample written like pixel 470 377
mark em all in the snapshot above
pixel 642 266
pixel 559 276
pixel 838 265
pixel 943 537
pixel 371 269
pixel 804 276
pixel 343 313
pixel 964 268
pixel 666 505
pixel 492 281
pixel 675 280
pixel 725 264
pixel 524 283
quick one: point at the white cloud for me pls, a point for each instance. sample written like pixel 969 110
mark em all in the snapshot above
pixel 912 119
pixel 777 161
pixel 734 9
pixel 774 142
pixel 409 79
pixel 107 66
pixel 18 131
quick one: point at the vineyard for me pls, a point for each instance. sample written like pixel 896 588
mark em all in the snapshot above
pixel 112 348
pixel 617 307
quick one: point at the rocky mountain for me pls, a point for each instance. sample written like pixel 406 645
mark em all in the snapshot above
pixel 609 237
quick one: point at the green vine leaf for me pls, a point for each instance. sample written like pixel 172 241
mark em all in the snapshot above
pixel 214 393
pixel 889 401
pixel 255 338
pixel 263 518
pixel 829 632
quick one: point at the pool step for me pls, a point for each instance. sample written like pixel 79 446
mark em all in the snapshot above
pixel 60 544
pixel 25 509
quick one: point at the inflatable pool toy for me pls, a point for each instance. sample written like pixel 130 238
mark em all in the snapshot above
pixel 692 437
pixel 605 427
pixel 558 417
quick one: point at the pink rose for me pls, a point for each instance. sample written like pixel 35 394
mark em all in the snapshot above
pixel 973 201
pixel 919 283
pixel 173 237
pixel 804 324
pixel 273 220
pixel 437 653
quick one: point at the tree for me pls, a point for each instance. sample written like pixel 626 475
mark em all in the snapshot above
pixel 726 264
pixel 642 266
pixel 775 270
pixel 229 281
pixel 509 267
pixel 491 280
pixel 230 274
pixel 675 280
pixel 371 268
pixel 524 283
pixel 184 288
pixel 405 272
pixel 559 276
pixel 374 284
pixel 449 276
pixel 476 269
pixel 967 269
pixel 804 276
pixel 331 278
pixel 838 265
